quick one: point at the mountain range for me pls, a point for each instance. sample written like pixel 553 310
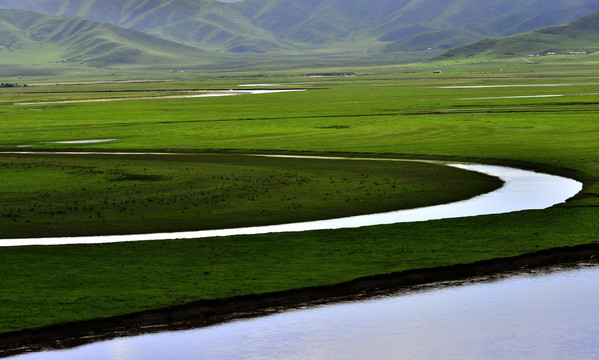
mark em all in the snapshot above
pixel 35 38
pixel 577 37
pixel 322 25
pixel 316 33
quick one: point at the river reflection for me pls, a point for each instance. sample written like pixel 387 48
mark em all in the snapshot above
pixel 543 315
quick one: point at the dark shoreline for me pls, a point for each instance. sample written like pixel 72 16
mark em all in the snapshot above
pixel 207 312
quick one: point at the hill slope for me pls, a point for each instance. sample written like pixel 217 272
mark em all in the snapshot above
pixel 581 35
pixel 207 23
pixel 47 39
pixel 467 21
pixel 269 25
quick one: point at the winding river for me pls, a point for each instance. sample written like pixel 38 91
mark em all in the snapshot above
pixel 548 314
pixel 522 190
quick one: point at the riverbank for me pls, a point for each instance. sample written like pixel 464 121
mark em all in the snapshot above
pixel 208 312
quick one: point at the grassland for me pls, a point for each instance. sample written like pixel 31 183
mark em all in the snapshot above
pixel 100 195
pixel 387 111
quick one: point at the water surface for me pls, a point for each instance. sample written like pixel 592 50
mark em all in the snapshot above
pixel 527 316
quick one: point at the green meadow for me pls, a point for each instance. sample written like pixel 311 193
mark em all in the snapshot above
pixel 83 195
pixel 541 116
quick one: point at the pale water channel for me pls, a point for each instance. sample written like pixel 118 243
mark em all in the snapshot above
pixel 542 315
pixel 522 190
pixel 194 94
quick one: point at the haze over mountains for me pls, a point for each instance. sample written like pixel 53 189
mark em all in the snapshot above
pixel 159 33
pixel 327 25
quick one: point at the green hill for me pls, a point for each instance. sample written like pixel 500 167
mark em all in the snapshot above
pixel 32 38
pixel 332 25
pixel 206 23
pixel 467 21
pixel 579 35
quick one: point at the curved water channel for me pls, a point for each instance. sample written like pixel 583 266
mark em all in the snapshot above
pixel 522 190
pixel 551 316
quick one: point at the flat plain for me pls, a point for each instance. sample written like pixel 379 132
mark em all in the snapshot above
pixel 540 116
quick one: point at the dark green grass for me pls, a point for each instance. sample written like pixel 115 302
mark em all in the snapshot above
pixel 99 195
pixel 47 285
pixel 389 112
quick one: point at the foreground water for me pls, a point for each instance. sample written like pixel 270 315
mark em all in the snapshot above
pixel 543 315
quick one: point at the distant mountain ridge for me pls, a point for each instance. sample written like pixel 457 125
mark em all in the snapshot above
pixel 291 25
pixel 578 37
pixel 72 39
